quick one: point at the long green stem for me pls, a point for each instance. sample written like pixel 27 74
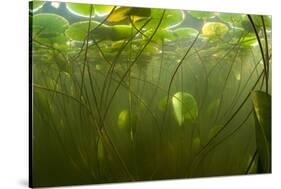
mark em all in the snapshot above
pixel 262 52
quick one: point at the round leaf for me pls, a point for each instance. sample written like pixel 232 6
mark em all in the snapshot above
pixel 214 29
pixel 49 25
pixel 102 10
pixel 80 9
pixel 78 31
pixel 36 5
pixel 185 107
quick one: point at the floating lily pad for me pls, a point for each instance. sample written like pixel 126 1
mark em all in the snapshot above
pixel 214 29
pixel 102 10
pixel 49 25
pixel 162 35
pixel 172 18
pixel 36 5
pixel 201 14
pixel 248 40
pixel 123 13
pixel 119 32
pixel 81 9
pixel 185 107
pixel 78 31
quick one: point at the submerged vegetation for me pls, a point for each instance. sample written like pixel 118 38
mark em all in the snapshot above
pixel 130 94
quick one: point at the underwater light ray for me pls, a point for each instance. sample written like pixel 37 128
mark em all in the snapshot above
pixel 261 50
pixel 205 147
pixel 174 74
pixel 133 62
pixel 107 81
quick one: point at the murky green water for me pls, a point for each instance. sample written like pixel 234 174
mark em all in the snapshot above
pixel 131 94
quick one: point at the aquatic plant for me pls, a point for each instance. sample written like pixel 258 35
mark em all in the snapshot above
pixel 127 93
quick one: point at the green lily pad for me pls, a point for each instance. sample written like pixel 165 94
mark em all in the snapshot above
pixel 123 13
pixel 262 114
pixel 49 25
pixel 80 9
pixel 248 40
pixel 214 29
pixel 172 18
pixel 185 107
pixel 36 5
pixel 201 14
pixel 119 32
pixel 123 119
pixel 161 35
pixel 102 10
pixel 78 31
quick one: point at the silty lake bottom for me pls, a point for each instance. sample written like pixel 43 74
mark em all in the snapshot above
pixel 125 94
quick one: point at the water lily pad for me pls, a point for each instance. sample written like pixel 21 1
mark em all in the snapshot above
pixel 119 32
pixel 125 120
pixel 78 31
pixel 36 5
pixel 49 25
pixel 214 29
pixel 172 18
pixel 123 13
pixel 162 35
pixel 248 40
pixel 102 10
pixel 80 9
pixel 185 107
pixel 201 14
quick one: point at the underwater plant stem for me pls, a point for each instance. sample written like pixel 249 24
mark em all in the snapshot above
pixel 108 77
pixel 262 52
pixel 266 48
pixel 224 86
pixel 61 93
pixel 86 37
pixel 131 65
pixel 205 147
pixel 175 72
pixel 251 162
